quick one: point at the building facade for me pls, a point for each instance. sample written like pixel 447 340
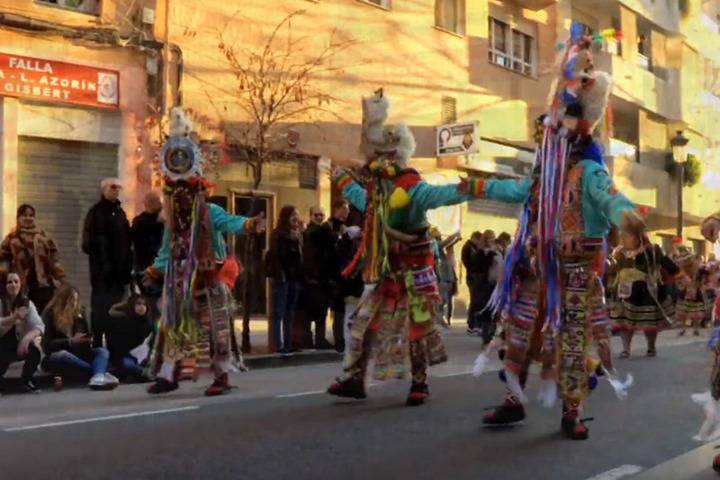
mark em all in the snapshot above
pixel 486 63
pixel 73 102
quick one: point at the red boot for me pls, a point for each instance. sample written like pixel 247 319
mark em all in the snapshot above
pixel 716 463
pixel 508 413
pixel 219 386
pixel 574 427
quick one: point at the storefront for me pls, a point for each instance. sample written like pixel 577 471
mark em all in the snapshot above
pixel 64 126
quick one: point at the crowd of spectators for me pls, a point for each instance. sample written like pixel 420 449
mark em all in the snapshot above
pixel 44 325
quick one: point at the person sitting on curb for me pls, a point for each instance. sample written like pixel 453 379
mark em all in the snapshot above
pixel 68 345
pixel 20 329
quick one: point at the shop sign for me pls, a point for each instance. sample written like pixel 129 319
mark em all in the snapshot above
pixel 456 139
pixel 53 81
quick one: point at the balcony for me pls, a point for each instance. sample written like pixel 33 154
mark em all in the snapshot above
pixel 657 91
pixel 534 4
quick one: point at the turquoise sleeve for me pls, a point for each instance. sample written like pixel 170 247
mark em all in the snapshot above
pixel 508 190
pixel 607 198
pixel 225 222
pixel 161 261
pixel 356 195
pixel 428 197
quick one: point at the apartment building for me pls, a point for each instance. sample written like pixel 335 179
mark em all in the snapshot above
pixel 73 99
pixel 664 69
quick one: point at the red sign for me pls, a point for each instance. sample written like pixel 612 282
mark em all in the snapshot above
pixel 57 81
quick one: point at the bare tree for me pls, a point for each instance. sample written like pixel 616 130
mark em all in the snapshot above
pixel 276 84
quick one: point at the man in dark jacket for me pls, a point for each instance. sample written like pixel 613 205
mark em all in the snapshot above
pixel 147 233
pixel 106 241
pixel 318 247
pixel 478 259
pixel 340 285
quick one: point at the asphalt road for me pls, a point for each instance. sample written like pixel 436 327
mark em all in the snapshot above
pixel 278 425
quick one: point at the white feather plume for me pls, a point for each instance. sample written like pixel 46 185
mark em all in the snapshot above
pixel 621 388
pixel 710 428
pixel 513 384
pixel 548 393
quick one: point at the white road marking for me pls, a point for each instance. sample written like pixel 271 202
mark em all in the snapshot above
pixel 101 419
pixel 456 374
pixel 299 394
pixel 619 472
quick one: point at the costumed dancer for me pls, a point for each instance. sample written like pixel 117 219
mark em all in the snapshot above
pixel 396 315
pixel 196 314
pixel 710 400
pixel 551 299
pixel 642 302
pixel 691 302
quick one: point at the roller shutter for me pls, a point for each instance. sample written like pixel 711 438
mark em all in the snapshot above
pixel 61 179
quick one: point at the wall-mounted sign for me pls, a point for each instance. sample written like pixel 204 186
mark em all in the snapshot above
pixel 53 81
pixel 456 139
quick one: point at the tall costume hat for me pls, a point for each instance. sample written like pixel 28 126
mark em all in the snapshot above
pixel 181 161
pixel 387 149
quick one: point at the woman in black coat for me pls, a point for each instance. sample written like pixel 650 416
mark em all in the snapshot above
pixel 284 265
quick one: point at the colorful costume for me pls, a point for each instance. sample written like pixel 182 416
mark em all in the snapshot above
pixel 710 400
pixel 690 310
pixel 196 315
pixel 396 316
pixel 551 299
pixel 642 302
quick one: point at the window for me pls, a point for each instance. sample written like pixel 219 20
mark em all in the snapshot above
pixel 448 110
pixel 510 48
pixel 450 15
pixel 83 6
pixel 379 3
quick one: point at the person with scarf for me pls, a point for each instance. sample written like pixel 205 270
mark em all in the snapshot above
pixel 551 299
pixel 396 316
pixel 28 251
pixel 641 299
pixel 197 314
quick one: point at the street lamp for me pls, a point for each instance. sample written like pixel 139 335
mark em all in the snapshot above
pixel 679 153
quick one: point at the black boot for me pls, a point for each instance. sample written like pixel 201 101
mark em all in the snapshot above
pixel 350 388
pixel 418 394
pixel 162 386
pixel 506 414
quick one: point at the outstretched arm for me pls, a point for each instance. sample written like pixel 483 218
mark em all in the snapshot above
pixel 352 191
pixel 428 197
pixel 508 190
pixel 613 204
pixel 227 223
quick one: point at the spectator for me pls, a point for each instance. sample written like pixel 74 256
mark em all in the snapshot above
pixel 20 328
pixel 106 241
pixel 503 243
pixel 284 266
pixel 133 323
pixel 29 252
pixel 338 227
pixel 147 233
pixel 479 256
pixel 447 276
pixel 349 288
pixel 67 342
pixel 318 270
